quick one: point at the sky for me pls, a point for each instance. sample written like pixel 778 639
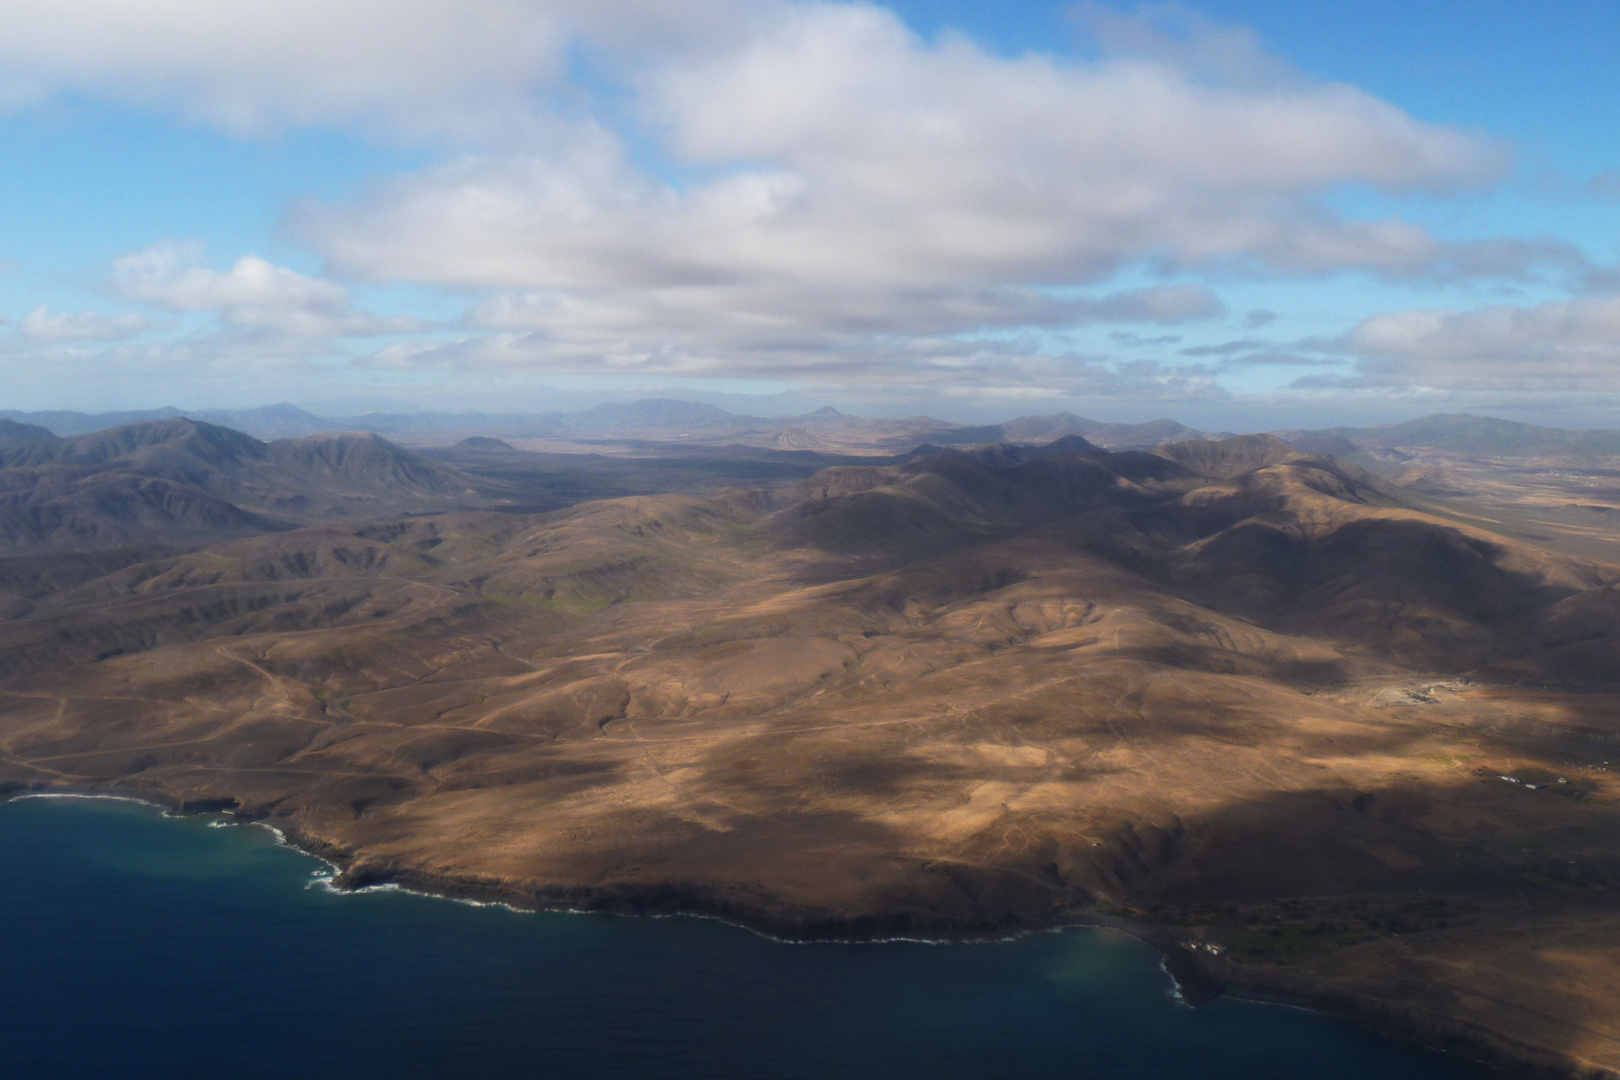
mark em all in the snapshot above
pixel 1239 213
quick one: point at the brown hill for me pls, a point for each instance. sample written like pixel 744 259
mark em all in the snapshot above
pixel 1305 735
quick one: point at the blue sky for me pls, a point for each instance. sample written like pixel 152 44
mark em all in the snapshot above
pixel 1239 213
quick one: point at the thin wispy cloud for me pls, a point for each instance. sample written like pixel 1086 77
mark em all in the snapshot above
pixel 1570 345
pixel 42 324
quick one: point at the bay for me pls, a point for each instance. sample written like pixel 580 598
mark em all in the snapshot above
pixel 138 945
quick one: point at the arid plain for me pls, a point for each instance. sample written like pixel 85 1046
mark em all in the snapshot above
pixel 1314 731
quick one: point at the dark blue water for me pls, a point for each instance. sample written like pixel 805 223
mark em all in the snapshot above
pixel 141 946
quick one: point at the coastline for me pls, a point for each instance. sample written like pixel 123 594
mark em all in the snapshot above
pixel 1198 977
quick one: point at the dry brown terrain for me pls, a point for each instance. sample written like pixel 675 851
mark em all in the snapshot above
pixel 1256 703
pixel 1566 503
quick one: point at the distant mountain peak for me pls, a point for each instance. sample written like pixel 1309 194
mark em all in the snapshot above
pixel 651 414
pixel 484 442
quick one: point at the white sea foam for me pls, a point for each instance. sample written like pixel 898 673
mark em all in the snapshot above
pixel 326 882
pixel 328 870
pixel 325 879
pixel 77 795
pixel 1174 992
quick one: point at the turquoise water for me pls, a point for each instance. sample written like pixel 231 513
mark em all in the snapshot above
pixel 142 946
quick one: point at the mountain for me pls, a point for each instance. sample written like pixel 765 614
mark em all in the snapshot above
pixel 826 430
pixel 433 426
pixel 1111 435
pixel 1325 443
pixel 1463 433
pixel 12 433
pixel 657 415
pixel 270 422
pixel 181 481
pixel 1225 459
pixel 1041 429
pixel 1480 434
pixel 1147 434
pixel 76 423
pixel 483 444
pixel 176 448
pixel 361 464
pixel 830 431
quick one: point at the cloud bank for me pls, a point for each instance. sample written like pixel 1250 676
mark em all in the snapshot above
pixel 1554 346
pixel 808 192
pixel 440 69
pixel 856 185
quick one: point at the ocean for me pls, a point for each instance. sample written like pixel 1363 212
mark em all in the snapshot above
pixel 138 945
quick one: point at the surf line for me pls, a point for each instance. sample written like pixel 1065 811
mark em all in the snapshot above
pixel 325 880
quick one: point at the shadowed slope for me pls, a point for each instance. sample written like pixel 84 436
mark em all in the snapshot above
pixel 1225 689
pixel 12 433
pixel 180 481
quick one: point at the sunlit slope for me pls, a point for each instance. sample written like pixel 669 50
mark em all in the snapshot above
pixel 1218 686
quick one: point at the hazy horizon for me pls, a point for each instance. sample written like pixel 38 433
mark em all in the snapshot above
pixel 785 408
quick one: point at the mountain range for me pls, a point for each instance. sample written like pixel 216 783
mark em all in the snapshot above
pixel 654 419
pixel 1309 735
pixel 1313 729
pixel 827 430
pixel 182 481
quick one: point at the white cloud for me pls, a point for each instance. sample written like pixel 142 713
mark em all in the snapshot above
pixel 852 153
pixel 253 293
pixel 1002 366
pixel 772 317
pixel 442 67
pixel 861 182
pixel 165 274
pixel 42 324
pixel 1605 185
pixel 830 197
pixel 1565 345
pixel 1181 38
